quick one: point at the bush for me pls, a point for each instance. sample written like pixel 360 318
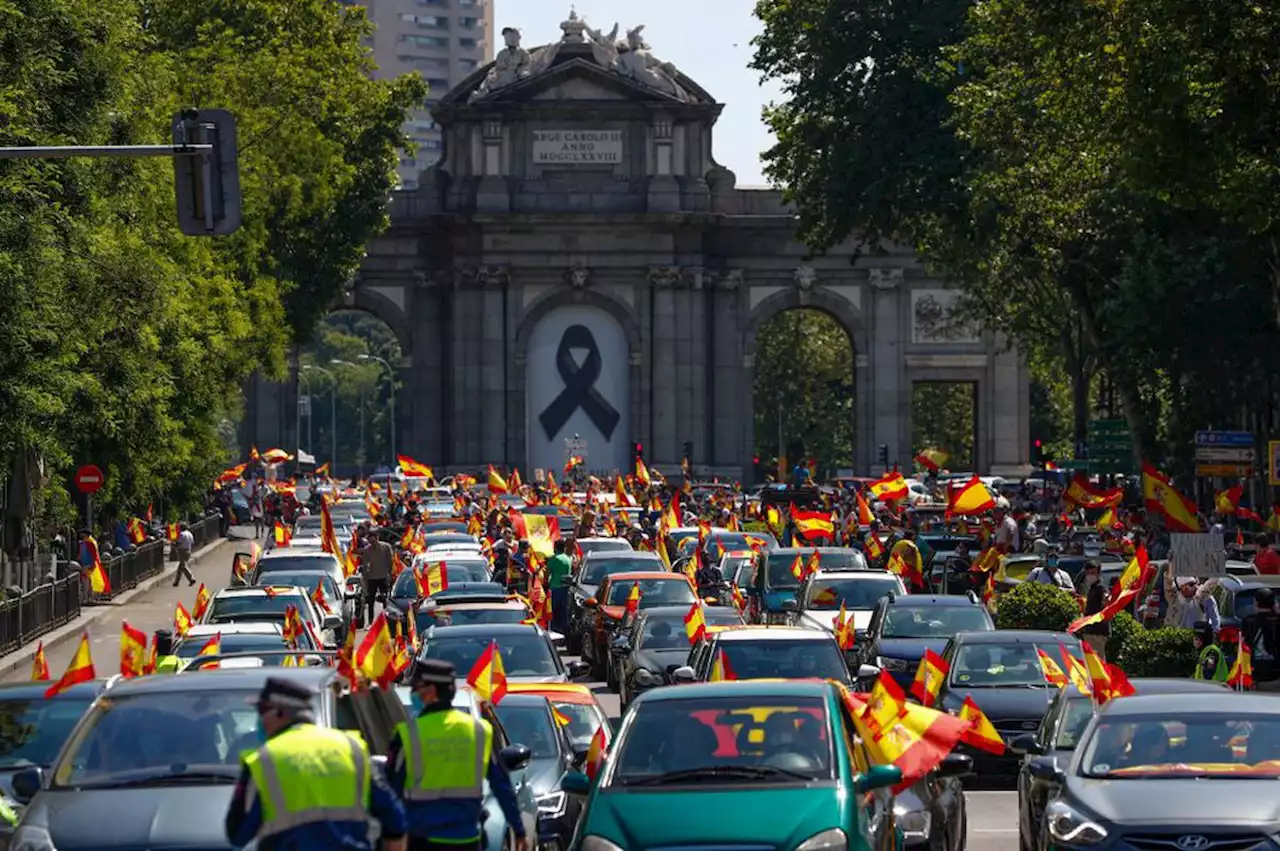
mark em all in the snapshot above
pixel 1122 626
pixel 1036 605
pixel 755 526
pixel 1165 652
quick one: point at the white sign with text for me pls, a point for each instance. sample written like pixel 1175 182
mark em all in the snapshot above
pixel 577 147
pixel 1198 554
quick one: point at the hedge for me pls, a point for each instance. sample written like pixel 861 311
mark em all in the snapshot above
pixel 1123 625
pixel 1164 652
pixel 1036 605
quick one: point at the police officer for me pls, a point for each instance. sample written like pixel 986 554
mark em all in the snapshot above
pixel 1212 663
pixel 308 787
pixel 166 661
pixel 439 762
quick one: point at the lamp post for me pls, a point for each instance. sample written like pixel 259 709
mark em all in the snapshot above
pixel 337 362
pixel 297 411
pixel 333 414
pixel 391 381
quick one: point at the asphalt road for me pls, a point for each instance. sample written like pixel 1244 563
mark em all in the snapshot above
pixel 992 814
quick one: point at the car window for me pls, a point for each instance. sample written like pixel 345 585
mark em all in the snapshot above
pixel 862 593
pixel 243 643
pixel 778 570
pixel 653 592
pixel 984 665
pixel 1076 716
pixel 276 564
pixel 594 570
pixel 583 719
pixel 151 737
pixel 663 634
pixel 785 659
pixel 33 731
pixel 664 736
pixel 907 621
pixel 255 607
pixel 462 617
pixel 307 580
pixel 1174 742
pixel 523 655
pixel 531 726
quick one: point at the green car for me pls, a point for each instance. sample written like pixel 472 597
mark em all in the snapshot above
pixel 756 764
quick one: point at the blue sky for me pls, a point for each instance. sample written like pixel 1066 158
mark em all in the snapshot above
pixel 707 39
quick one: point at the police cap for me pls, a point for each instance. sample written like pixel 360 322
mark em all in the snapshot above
pixel 434 672
pixel 281 693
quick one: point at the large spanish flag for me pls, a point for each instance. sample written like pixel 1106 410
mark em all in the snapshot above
pixel 376 655
pixel 889 486
pixel 1160 495
pixel 813 525
pixel 488 676
pixel 79 670
pixel 539 530
pixel 412 468
pixel 916 741
pixel 1083 494
pixel 1131 583
pixel 969 499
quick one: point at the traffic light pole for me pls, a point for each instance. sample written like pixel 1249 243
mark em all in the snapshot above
pixel 63 152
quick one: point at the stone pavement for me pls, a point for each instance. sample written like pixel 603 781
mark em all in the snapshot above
pixel 148 607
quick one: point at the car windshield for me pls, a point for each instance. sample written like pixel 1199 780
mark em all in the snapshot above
pixel 1173 743
pixel 722 542
pixel 275 564
pixel 594 570
pixel 992 665
pixel 724 741
pixel 607 545
pixel 531 726
pixel 306 579
pixel 831 594
pixel 666 633
pixel 492 614
pixel 907 621
pixel 1076 716
pixel 33 731
pixel 653 592
pixel 523 654
pixel 779 574
pixel 254 607
pixel 461 571
pixel 255 642
pixel 583 719
pixel 161 739
pixel 788 659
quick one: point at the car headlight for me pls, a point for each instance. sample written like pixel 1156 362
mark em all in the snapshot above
pixel 914 824
pixel 1070 827
pixel 598 843
pixel 894 664
pixel 647 679
pixel 552 805
pixel 828 840
pixel 32 839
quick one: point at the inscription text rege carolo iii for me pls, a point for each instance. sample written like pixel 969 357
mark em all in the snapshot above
pixel 577 147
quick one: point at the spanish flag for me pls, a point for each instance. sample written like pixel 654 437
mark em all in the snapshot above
pixel 497 484
pixel 1077 673
pixel 282 535
pixel 39 665
pixel 884 705
pixel 1053 675
pixel 865 517
pixel 414 469
pixel 932 459
pixel 1241 675
pixel 133 650
pixel 642 474
pixel 916 741
pixel 171 531
pixel 433 578
pixel 203 598
pixel 1083 494
pixel 376 655
pixel 212 647
pixel 1160 495
pixel 347 657
pixel 596 754
pixel 930 676
pixel 488 677
pixel 181 620
pixel 973 498
pixel 79 670
pixel 1131 583
pixel 813 525
pixel 97 574
pixel 1227 501
pixel 633 599
pixel 323 470
pixel 695 623
pixel 275 456
pixel 889 486
pixel 137 532
pixel 981 733
pixel 539 530
pixel 844 630
pixel 721 670
pixel 318 599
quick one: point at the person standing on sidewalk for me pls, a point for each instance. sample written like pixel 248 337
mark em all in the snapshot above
pixel 185 543
pixel 559 571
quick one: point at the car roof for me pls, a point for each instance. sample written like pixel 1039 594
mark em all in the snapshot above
pixel 854 574
pixel 36 690
pixel 791 551
pixel 645 574
pixel 775 633
pixel 1015 636
pixel 927 600
pixel 1215 701
pixel 476 605
pixel 225 679
pixel 485 629
pixel 235 628
pixel 741 688
pixel 284 552
pixel 521 699
pixel 258 591
pixel 606 555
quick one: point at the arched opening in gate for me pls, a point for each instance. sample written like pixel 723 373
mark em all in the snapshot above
pixel 346 381
pixel 944 416
pixel 803 394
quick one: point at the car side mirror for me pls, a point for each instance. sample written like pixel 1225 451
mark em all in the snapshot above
pixel 877 777
pixel 868 672
pixel 514 757
pixel 954 765
pixel 333 622
pixel 26 783
pixel 790 606
pixel 1026 743
pixel 576 783
pixel 1046 768
pixel 578 669
pixel 591 603
pixel 580 752
pixel 683 675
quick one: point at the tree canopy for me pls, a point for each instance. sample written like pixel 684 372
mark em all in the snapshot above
pixel 122 342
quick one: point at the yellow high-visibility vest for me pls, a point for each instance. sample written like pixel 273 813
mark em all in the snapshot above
pixel 446 755
pixel 309 774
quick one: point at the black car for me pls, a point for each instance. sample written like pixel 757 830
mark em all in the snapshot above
pixel 1069 713
pixel 530 720
pixel 595 567
pixel 405 592
pixel 931 813
pixel 1154 773
pixel 904 626
pixel 658 643
pixel 527 652
pixel 153 762
pixel 1001 671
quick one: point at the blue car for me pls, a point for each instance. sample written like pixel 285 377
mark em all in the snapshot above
pixel 773 590
pixel 904 626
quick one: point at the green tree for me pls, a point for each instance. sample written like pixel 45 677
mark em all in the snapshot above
pixel 804 389
pixel 942 417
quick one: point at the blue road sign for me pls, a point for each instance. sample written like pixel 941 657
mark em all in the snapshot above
pixel 1224 438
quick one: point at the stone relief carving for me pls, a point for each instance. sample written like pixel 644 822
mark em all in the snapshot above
pixel 729 280
pixel 577 277
pixel 805 277
pixel 494 277
pixel 933 318
pixel 665 277
pixel 884 279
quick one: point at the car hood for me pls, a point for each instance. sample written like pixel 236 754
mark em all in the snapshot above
pixel 910 649
pixel 773 601
pixel 587 590
pixel 1185 801
pixel 166 817
pixel 754 816
pixel 543 775
pixel 822 619
pixel 658 660
pixel 1003 704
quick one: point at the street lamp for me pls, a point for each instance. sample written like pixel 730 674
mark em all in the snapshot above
pixel 338 362
pixel 333 414
pixel 297 411
pixel 391 380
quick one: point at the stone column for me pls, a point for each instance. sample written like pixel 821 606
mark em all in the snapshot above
pixel 890 395
pixel 725 373
pixel 423 427
pixel 493 194
pixel 468 332
pixel 1009 399
pixel 664 189
pixel 663 281
pixel 494 362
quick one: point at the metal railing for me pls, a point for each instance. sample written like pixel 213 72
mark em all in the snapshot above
pixel 28 616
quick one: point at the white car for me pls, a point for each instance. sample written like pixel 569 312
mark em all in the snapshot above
pixel 268 603
pixel 442 547
pixel 818 601
pixel 246 637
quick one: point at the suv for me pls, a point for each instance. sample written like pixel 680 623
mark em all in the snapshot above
pixel 752 653
pixel 775 584
pixel 157 745
pixel 818 602
pixel 904 626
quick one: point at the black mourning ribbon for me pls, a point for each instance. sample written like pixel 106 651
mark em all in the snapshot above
pixel 579 386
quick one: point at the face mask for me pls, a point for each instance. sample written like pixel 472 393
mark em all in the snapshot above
pixel 1052 561
pixel 415 702
pixel 260 733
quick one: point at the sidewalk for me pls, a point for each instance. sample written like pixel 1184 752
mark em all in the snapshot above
pixel 148 607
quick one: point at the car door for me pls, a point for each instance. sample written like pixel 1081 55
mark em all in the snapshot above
pixel 525 798
pixel 865 650
pixel 874 808
pixel 598 619
pixel 1032 792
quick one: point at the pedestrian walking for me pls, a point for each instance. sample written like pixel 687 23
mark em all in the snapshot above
pixel 559 574
pixel 309 787
pixel 185 543
pixel 439 763
pixel 376 563
pixel 166 661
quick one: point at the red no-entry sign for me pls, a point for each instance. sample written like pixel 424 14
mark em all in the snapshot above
pixel 89 479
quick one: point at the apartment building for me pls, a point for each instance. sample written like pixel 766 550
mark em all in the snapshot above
pixel 444 41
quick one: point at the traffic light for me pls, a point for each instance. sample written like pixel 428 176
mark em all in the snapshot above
pixel 884 454
pixel 1040 455
pixel 206 183
pixel 688 452
pixel 639 451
